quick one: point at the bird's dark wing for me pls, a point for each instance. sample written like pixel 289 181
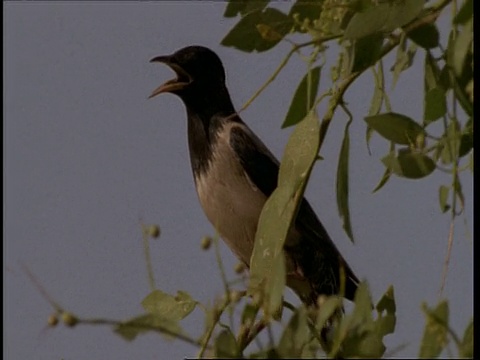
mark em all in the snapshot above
pixel 258 162
pixel 316 238
pixel 316 252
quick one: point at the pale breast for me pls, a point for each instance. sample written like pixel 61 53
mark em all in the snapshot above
pixel 230 200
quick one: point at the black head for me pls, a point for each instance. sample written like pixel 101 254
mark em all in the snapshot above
pixel 198 69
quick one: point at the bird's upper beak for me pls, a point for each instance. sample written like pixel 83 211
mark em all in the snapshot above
pixel 182 80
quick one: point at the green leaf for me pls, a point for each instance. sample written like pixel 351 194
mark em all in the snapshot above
pixel 362 313
pixel 450 143
pixel 466 140
pixel 226 346
pixel 267 263
pixel 167 306
pixel 366 52
pixel 363 338
pixel 249 313
pixel 378 93
pixel 245 35
pixel 432 73
pixel 369 345
pixel 269 353
pixel 425 36
pixel 383 180
pixel 435 333
pixel 465 13
pixel 377 101
pixel 444 78
pixel 457 187
pixel 327 309
pixel 466 350
pixel 385 324
pixel 301 104
pixel 305 9
pixel 443 197
pixel 462 46
pixel 404 59
pixel 295 335
pixel 409 164
pixel 460 81
pixel 435 105
pixel 235 7
pixel 383 18
pixel 130 329
pixel 342 183
pixel 396 127
pixel 387 302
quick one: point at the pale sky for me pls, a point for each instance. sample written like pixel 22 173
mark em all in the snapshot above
pixel 87 158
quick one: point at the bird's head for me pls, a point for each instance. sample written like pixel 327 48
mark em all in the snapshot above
pixel 197 68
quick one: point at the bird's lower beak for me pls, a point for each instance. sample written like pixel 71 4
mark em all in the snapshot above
pixel 182 80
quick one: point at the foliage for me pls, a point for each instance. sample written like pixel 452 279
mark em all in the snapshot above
pixel 360 333
pixel 365 32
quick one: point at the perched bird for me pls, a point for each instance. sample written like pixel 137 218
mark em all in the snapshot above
pixel 235 173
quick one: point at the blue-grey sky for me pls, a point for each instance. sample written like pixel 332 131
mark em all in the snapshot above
pixel 87 158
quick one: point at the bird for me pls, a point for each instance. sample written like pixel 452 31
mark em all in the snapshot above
pixel 234 174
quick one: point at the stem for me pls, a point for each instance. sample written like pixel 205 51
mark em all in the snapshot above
pixel 148 259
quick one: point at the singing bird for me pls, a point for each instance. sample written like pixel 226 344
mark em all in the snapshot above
pixel 235 173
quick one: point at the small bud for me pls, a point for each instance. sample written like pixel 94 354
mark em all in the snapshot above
pixel 420 141
pixel 69 319
pixel 206 242
pixel 154 231
pixel 240 268
pixel 235 296
pixel 52 320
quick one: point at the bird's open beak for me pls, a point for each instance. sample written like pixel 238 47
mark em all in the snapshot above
pixel 182 80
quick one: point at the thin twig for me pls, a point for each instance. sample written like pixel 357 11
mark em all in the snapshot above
pixel 447 257
pixel 41 289
pixel 157 328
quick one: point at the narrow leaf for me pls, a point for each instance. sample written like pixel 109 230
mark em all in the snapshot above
pixel 466 140
pixel 342 183
pixel 267 264
pixel 443 197
pixel 328 308
pixel 378 93
pixel 462 46
pixel 377 101
pixel 301 104
pixel 404 59
pixel 465 13
pixel 383 180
